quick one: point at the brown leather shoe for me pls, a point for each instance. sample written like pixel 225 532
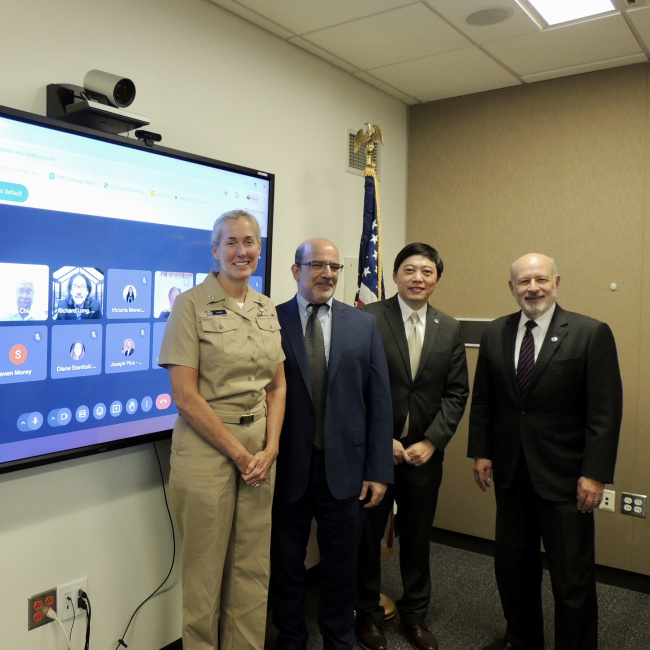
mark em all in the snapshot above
pixel 419 636
pixel 370 635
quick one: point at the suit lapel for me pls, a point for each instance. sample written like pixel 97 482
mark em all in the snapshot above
pixel 296 339
pixel 557 330
pixel 339 333
pixel 509 340
pixel 430 332
pixel 393 315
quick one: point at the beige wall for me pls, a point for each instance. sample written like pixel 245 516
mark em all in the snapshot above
pixel 558 167
pixel 213 85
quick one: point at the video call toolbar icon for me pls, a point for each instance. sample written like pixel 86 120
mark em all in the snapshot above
pixel 30 421
pixel 59 417
pixel 99 411
pixel 82 413
pixel 132 406
pixel 116 408
pixel 146 404
pixel 163 401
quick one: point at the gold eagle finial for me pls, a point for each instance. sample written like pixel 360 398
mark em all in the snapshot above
pixel 368 139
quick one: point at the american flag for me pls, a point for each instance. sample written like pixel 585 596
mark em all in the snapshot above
pixel 371 280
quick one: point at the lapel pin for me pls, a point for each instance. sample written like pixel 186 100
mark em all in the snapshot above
pixel 211 297
pixel 435 320
pixel 554 338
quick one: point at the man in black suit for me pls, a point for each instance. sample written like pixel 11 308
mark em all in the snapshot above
pixel 335 448
pixel 544 423
pixel 429 387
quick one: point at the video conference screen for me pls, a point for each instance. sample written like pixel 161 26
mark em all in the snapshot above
pixel 98 238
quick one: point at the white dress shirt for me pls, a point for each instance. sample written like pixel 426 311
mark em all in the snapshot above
pixel 539 332
pixel 406 317
pixel 325 318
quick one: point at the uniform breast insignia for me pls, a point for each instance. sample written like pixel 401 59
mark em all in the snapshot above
pixel 216 312
pixel 262 310
pixel 554 339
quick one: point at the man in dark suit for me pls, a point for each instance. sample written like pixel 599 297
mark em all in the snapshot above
pixel 544 423
pixel 429 386
pixel 335 448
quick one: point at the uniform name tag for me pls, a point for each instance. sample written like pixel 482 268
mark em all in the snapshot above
pixel 216 312
pixel 263 313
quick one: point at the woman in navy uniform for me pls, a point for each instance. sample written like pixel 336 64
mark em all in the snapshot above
pixel 223 350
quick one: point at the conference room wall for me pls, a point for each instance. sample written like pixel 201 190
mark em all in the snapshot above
pixel 213 85
pixel 558 167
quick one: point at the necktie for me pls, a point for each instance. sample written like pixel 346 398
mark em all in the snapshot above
pixel 526 358
pixel 317 371
pixel 415 351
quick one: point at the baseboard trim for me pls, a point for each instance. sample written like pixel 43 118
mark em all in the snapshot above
pixel 605 574
pixel 174 645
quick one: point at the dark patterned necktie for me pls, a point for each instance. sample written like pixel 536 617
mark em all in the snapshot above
pixel 526 358
pixel 315 345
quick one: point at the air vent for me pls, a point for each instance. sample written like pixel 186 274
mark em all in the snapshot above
pixel 357 161
pixel 635 3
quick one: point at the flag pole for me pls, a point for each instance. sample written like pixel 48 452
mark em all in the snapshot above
pixel 370 282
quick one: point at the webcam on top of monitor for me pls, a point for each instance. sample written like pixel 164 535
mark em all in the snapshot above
pixel 99 104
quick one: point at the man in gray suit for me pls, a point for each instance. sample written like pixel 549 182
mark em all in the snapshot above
pixel 544 423
pixel 429 388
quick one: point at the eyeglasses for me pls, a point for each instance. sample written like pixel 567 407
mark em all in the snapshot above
pixel 78 287
pixel 317 265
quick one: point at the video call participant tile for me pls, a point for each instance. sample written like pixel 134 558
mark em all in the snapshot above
pixel 158 332
pixel 127 347
pixel 129 294
pixel 168 285
pixel 76 351
pixel 23 292
pixel 77 293
pixel 23 354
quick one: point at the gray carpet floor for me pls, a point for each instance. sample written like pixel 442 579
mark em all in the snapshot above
pixel 465 612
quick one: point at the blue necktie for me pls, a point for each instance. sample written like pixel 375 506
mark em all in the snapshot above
pixel 526 358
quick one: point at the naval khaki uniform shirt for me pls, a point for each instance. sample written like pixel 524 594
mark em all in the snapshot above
pixel 236 350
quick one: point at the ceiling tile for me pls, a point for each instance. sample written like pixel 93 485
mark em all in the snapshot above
pixel 562 47
pixel 301 16
pixel 381 85
pixel 587 67
pixel 394 36
pixel 446 75
pixel 456 12
pixel 641 20
pixel 314 49
pixel 252 17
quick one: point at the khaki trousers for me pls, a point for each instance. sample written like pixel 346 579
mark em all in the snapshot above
pixel 226 529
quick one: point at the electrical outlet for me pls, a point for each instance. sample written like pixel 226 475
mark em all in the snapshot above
pixel 633 504
pixel 37 606
pixel 71 590
pixel 609 501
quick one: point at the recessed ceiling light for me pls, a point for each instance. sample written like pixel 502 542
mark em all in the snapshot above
pixel 562 11
pixel 493 16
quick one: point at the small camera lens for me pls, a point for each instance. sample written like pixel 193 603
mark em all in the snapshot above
pixel 124 92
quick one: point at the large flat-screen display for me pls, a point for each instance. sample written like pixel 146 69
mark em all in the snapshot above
pixel 98 235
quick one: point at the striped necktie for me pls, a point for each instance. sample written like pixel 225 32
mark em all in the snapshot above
pixel 315 344
pixel 526 358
